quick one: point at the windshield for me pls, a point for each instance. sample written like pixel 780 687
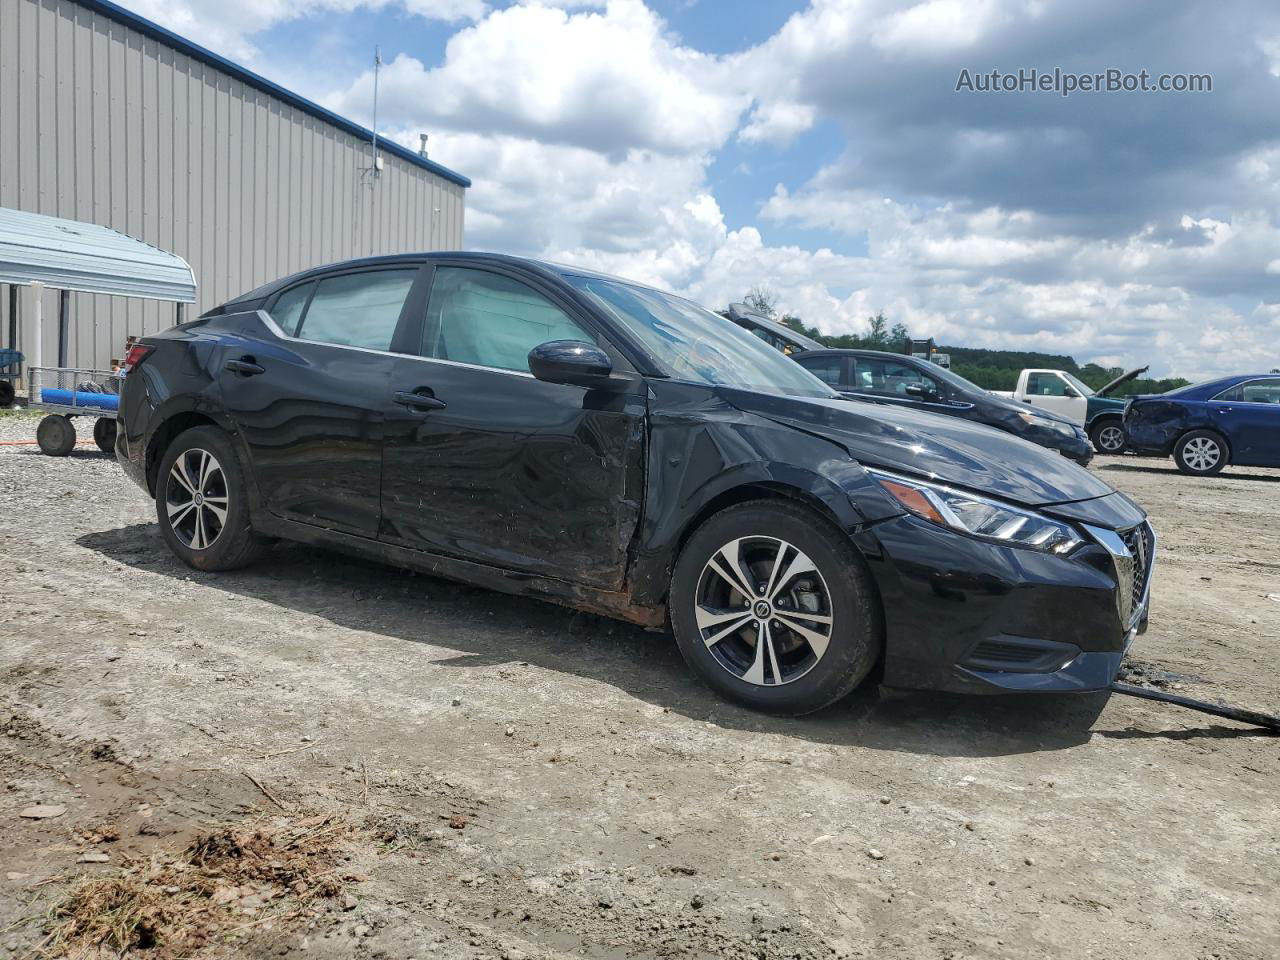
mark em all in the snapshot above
pixel 696 344
pixel 1083 388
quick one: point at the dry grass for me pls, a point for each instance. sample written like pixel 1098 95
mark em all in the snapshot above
pixel 225 882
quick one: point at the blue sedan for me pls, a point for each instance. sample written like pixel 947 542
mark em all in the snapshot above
pixel 1204 427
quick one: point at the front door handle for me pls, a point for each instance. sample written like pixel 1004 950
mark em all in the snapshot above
pixel 419 401
pixel 246 367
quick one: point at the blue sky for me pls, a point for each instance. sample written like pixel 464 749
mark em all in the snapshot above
pixel 821 150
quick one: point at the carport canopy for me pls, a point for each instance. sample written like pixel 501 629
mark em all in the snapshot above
pixel 70 255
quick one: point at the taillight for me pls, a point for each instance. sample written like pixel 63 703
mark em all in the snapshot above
pixel 137 353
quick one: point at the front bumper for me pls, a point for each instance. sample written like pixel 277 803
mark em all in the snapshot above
pixel 969 616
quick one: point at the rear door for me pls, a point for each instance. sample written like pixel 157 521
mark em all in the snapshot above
pixel 1248 415
pixel 310 397
pixel 498 467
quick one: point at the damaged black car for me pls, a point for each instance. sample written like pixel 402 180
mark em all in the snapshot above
pixel 548 431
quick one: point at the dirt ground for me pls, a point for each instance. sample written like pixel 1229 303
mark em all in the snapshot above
pixel 524 781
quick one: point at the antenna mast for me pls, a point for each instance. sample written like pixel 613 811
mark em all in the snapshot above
pixel 377 65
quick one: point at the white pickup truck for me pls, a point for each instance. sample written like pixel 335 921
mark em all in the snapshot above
pixel 1101 415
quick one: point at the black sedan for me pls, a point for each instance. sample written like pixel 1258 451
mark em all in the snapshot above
pixel 893 378
pixel 544 430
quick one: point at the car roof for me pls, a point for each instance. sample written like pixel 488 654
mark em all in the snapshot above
pixel 858 352
pixel 539 266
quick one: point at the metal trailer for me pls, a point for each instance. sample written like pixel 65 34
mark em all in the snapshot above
pixel 37 251
pixel 68 392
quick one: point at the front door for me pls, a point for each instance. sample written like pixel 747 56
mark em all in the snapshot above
pixel 309 394
pixel 1050 390
pixel 497 467
pixel 886 380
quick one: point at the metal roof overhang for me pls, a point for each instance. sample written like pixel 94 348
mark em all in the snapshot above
pixel 70 255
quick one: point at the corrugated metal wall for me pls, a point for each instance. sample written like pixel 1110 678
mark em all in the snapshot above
pixel 99 122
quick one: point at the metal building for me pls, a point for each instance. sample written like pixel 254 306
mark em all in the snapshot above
pixel 110 119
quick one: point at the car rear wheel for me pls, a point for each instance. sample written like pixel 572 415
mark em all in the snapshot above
pixel 1108 436
pixel 202 503
pixel 1200 453
pixel 772 606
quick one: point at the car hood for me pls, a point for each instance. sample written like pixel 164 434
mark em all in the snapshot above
pixel 1122 379
pixel 932 446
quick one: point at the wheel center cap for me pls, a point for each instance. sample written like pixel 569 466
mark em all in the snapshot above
pixel 199 499
pixel 763 610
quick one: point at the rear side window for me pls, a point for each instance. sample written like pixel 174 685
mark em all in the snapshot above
pixel 354 309
pixel 490 320
pixel 1253 391
pixel 826 369
pixel 287 310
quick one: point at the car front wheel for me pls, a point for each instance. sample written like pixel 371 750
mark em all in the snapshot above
pixel 201 502
pixel 1201 453
pixel 1108 436
pixel 772 606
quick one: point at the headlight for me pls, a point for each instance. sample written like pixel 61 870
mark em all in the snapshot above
pixel 977 516
pixel 1047 423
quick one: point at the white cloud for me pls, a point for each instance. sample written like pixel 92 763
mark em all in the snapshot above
pixel 227 26
pixel 610 81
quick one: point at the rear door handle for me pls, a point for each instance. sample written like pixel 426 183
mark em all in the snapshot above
pixel 419 401
pixel 246 367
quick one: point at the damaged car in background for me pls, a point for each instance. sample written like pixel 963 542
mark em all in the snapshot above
pixel 553 432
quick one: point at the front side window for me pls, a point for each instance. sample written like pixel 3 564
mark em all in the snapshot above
pixel 826 369
pixel 696 344
pixel 355 309
pixel 1046 385
pixel 490 320
pixel 890 377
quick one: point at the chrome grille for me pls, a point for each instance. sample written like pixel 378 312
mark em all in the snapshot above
pixel 1140 544
pixel 1132 556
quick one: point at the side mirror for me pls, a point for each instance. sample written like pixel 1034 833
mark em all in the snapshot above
pixel 573 362
pixel 919 391
pixel 1072 392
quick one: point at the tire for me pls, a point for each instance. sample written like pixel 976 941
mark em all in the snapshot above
pixel 104 435
pixel 56 435
pixel 205 521
pixel 1201 453
pixel 1107 436
pixel 821 576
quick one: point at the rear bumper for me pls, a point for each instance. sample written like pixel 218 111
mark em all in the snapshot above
pixel 968 616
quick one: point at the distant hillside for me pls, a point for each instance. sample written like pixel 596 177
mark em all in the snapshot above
pixel 999 369
pixel 989 369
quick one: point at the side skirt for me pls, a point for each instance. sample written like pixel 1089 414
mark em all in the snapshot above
pixel 615 604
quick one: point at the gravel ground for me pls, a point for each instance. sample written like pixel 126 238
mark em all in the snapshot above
pixel 530 782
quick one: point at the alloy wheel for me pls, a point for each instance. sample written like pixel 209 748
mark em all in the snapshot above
pixel 763 610
pixel 1110 438
pixel 1201 453
pixel 196 499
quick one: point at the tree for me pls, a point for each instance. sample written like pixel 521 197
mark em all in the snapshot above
pixel 763 301
pixel 878 328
